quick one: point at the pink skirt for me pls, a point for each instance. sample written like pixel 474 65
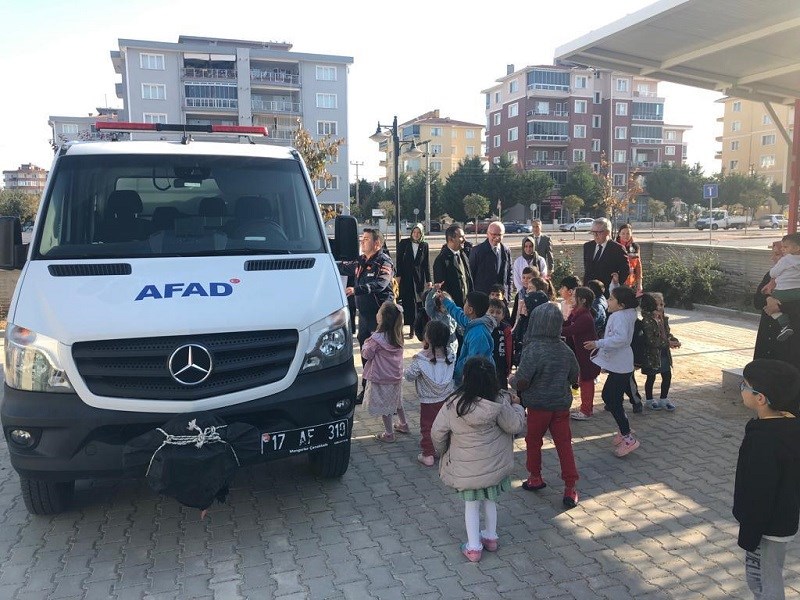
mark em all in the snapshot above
pixel 383 398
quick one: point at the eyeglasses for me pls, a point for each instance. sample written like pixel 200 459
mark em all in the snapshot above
pixel 596 232
pixel 743 386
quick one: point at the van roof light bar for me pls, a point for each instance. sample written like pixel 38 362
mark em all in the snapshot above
pixel 121 126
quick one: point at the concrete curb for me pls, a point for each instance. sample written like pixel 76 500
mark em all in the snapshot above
pixel 728 312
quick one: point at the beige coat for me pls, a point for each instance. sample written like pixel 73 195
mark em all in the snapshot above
pixel 477 449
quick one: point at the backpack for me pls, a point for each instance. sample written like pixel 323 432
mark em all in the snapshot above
pixel 638 344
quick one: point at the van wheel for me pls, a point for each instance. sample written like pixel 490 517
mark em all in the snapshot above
pixel 46 497
pixel 332 461
pixel 774 225
pixel 715 227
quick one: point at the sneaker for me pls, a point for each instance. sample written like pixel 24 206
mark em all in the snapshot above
pixel 628 445
pixel 426 460
pixel 619 437
pixel 570 497
pixel 489 544
pixel 637 407
pixel 579 415
pixel 534 484
pixel 785 334
pixel 472 555
pixel 654 405
pixel 668 406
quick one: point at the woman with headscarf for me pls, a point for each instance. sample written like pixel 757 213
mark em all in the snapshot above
pixel 528 258
pixel 625 238
pixel 413 274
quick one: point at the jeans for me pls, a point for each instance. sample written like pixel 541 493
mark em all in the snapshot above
pixel 666 381
pixel 613 393
pixel 539 421
pixel 763 569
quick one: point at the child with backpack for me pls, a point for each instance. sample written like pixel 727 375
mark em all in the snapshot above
pixel 503 343
pixel 658 341
pixel 614 354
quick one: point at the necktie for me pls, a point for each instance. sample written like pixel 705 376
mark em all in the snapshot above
pixel 497 257
pixel 536 243
pixel 598 253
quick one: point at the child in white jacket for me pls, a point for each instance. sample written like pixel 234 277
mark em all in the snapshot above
pixel 614 355
pixel 432 373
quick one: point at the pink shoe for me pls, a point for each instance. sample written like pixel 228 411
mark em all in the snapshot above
pixel 628 445
pixel 489 545
pixel 618 438
pixel 472 555
pixel 425 460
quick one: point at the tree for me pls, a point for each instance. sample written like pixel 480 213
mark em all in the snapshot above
pixel 15 203
pixel 748 191
pixel 777 194
pixel 534 187
pixel 475 206
pixel 679 181
pixel 413 195
pixel 655 208
pixel 387 206
pixel 317 154
pixel 583 183
pixel 573 204
pixel 468 178
pixel 503 183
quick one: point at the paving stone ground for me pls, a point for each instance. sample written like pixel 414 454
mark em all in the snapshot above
pixel 653 525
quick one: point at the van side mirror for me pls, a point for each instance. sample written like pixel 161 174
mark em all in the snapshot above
pixel 13 252
pixel 345 246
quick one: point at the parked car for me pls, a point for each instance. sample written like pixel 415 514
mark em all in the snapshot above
pixel 516 227
pixel 584 224
pixel 773 222
pixel 436 226
pixel 482 226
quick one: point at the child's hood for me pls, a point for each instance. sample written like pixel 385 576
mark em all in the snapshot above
pixel 784 433
pixel 545 321
pixel 486 321
pixel 439 372
pixel 381 339
pixel 484 412
pixel 627 315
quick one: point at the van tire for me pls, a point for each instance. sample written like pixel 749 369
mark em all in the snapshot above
pixel 715 227
pixel 46 497
pixel 331 462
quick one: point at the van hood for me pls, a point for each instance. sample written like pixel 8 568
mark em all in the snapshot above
pixel 176 296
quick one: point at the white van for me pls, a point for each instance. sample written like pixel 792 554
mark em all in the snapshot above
pixel 171 277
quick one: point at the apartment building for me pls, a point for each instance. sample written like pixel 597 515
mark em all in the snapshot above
pixel 71 128
pixel 751 141
pixel 451 141
pixel 27 178
pixel 550 118
pixel 205 81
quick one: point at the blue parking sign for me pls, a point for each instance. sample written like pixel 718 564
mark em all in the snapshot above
pixel 710 190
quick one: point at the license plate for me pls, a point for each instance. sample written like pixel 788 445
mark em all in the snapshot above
pixel 304 439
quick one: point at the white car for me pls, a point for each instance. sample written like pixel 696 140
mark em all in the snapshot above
pixel 584 224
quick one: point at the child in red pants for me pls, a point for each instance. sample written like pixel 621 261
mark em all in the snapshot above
pixel 579 328
pixel 546 372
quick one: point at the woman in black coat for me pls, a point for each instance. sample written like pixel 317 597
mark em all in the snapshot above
pixel 413 273
pixel 766 344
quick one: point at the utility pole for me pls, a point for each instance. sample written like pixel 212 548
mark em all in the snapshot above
pixel 356 165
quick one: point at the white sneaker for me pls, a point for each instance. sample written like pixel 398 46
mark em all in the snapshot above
pixel 579 416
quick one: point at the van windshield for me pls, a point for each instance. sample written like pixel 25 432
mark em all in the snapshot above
pixel 129 206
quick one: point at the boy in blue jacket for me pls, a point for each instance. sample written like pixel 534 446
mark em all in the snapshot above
pixel 477 326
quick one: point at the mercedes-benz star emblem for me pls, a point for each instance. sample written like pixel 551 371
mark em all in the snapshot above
pixel 190 364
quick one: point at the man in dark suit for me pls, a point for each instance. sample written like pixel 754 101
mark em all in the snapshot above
pixel 490 261
pixel 603 257
pixel 451 267
pixel 542 243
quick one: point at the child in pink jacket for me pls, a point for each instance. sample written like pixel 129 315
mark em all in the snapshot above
pixel 383 371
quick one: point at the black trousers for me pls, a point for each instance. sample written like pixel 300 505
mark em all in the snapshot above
pixel 613 393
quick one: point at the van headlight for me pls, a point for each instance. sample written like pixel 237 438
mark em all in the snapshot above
pixel 32 362
pixel 329 342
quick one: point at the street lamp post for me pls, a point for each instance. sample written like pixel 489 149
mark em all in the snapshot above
pixel 380 136
pixel 415 152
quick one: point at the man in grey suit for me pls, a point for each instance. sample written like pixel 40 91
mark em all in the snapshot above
pixel 542 242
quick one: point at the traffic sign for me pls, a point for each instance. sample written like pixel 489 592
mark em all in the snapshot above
pixel 710 190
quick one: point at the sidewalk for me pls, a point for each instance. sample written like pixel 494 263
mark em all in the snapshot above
pixel 653 525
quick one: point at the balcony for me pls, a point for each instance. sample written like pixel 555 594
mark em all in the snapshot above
pixel 547 113
pixel 548 87
pixel 644 165
pixel 636 117
pixel 275 106
pixel 277 76
pixel 645 94
pixel 545 137
pixel 284 135
pixel 216 103
pixel 547 164
pixel 195 73
pixel 636 140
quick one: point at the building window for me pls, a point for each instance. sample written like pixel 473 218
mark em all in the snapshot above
pixel 620 156
pixel 540 155
pixel 327 101
pixel 496 117
pixel 541 108
pixel 736 126
pixel 579 131
pixel 767 161
pixel 513 110
pixel 436 132
pixel 496 160
pixel 497 141
pixel 597 98
pixel 497 97
pixel 595 145
pixel 470 151
pixel 468 133
pixel 595 167
pixel 69 128
pixel 768 140
pixel 622 85
pixel 669 150
pixel 619 179
pixel 581 82
pixel 621 109
pixel 513 86
pixel 436 148
pixel 513 134
pixel 766 120
pixel 596 120
pixel 436 166
pixel 513 156
pixel 151 62
pixel 154 91
pixel 620 133
pixel 735 145
pixel 327 128
pixel 733 165
pixel 333 184
pixel 737 106
pixel 154 118
pixel 670 135
pixel 453 149
pixel 581 106
pixel 327 73
pixel 579 156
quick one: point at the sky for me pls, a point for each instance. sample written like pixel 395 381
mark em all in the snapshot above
pixel 408 58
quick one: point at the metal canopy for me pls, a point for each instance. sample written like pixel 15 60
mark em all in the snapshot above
pixel 744 48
